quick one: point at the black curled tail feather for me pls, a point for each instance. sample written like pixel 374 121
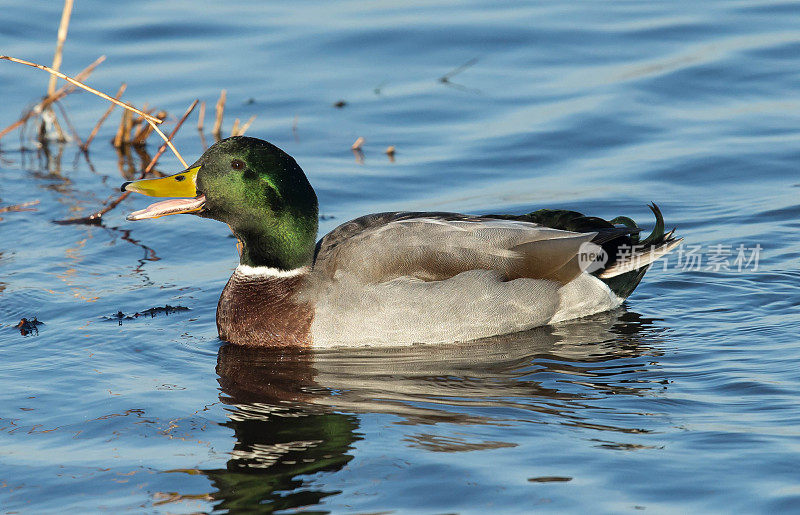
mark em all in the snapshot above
pixel 625 270
pixel 627 257
pixel 657 236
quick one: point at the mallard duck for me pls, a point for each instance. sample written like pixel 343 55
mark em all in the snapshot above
pixel 394 278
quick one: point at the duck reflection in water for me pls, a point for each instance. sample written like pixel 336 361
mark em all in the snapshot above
pixel 294 413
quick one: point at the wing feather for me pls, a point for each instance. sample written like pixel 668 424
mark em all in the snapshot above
pixel 437 246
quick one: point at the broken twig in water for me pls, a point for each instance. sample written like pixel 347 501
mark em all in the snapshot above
pixel 25 206
pixel 452 73
pixel 96 217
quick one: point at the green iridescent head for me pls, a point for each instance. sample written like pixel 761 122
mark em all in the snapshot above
pixel 255 188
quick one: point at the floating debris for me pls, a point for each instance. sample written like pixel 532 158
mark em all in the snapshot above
pixel 444 79
pixel 152 312
pixel 340 104
pixel 549 479
pixel 27 327
pixel 16 208
pixel 167 309
pixel 390 152
pixel 357 152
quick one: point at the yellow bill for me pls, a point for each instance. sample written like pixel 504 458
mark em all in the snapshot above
pixel 181 184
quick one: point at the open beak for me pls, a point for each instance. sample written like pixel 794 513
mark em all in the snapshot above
pixel 183 184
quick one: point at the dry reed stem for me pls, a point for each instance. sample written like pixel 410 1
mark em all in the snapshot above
pixel 82 75
pixel 358 144
pixel 136 126
pixel 119 137
pixel 82 86
pixel 128 128
pixel 136 123
pixel 163 147
pixel 168 141
pixel 201 116
pixel 62 36
pixel 220 110
pixel 145 130
pixel 103 118
pixel 96 217
pixel 235 128
pixel 58 95
pixel 246 125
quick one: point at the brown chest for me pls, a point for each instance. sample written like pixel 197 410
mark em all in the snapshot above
pixel 264 311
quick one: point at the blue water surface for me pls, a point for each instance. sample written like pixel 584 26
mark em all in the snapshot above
pixel 685 400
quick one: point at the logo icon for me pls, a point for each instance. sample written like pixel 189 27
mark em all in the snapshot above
pixel 591 257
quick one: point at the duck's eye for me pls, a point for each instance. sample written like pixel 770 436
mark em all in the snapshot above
pixel 237 164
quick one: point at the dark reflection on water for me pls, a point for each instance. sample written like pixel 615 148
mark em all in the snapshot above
pixel 278 439
pixel 287 407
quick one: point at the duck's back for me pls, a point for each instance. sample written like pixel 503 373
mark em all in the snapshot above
pixel 438 246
